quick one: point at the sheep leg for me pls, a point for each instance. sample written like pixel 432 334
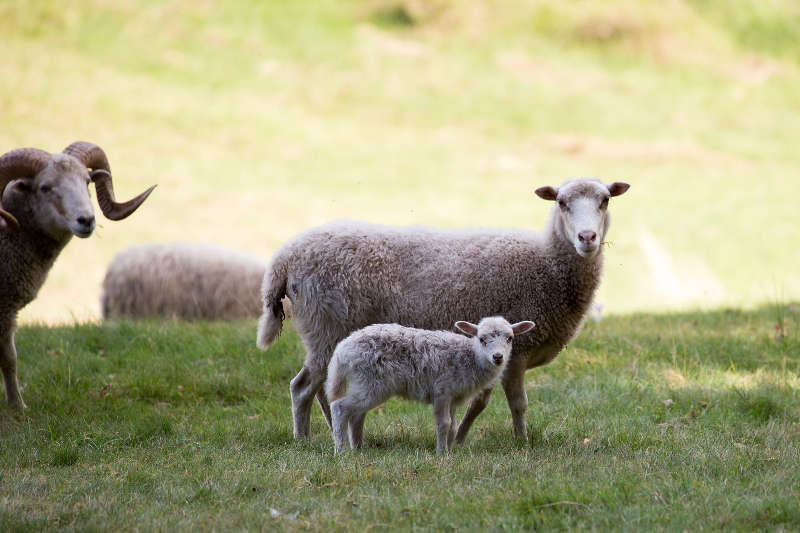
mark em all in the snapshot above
pixel 476 406
pixel 341 413
pixel 303 388
pixel 451 435
pixel 322 399
pixel 357 431
pixel 8 363
pixel 514 387
pixel 441 413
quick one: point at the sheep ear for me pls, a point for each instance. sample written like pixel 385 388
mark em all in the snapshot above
pixel 547 193
pixel 618 187
pixel 522 327
pixel 467 328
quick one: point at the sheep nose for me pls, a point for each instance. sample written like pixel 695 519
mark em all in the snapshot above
pixel 587 236
pixel 86 221
pixel 498 358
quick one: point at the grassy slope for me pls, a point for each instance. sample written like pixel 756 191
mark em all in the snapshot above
pixel 261 119
pixel 692 420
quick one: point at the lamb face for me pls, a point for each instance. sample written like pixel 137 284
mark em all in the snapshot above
pixel 492 339
pixel 582 212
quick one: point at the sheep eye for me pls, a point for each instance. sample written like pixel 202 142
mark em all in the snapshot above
pixel 604 203
pixel 483 340
pixel 562 204
pixel 508 339
pixel 46 188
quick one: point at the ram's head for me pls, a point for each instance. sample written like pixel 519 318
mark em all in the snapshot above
pixel 55 188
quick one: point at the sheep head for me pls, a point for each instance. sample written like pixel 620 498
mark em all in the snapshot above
pixel 581 212
pixel 54 188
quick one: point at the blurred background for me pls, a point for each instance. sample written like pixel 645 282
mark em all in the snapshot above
pixel 259 119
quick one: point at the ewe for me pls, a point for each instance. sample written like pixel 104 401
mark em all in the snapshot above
pixel 344 276
pixel 184 280
pixel 438 367
pixel 45 201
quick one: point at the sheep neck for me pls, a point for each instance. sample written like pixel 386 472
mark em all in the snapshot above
pixel 28 255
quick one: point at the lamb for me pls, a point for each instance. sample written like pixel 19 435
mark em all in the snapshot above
pixel 438 367
pixel 346 275
pixel 184 280
pixel 45 201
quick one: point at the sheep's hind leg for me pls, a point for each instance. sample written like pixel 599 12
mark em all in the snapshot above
pixel 476 406
pixel 322 399
pixel 341 413
pixel 303 388
pixel 8 364
pixel 357 431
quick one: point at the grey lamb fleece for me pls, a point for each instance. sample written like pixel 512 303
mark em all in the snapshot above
pixel 438 367
pixel 183 280
pixel 346 275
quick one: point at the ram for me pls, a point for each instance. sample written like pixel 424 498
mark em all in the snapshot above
pixel 45 201
pixel 347 275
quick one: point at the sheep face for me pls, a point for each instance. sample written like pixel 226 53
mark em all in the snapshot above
pixel 492 338
pixel 582 211
pixel 57 198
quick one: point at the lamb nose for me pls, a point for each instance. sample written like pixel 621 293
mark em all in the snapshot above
pixel 498 358
pixel 587 236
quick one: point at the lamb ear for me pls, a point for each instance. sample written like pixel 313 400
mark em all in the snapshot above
pixel 547 193
pixel 522 327
pixel 467 328
pixel 618 187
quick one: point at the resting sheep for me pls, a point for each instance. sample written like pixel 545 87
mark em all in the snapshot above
pixel 184 280
pixel 343 276
pixel 438 367
pixel 45 201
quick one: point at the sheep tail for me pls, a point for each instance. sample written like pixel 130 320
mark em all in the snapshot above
pixel 273 290
pixel 336 384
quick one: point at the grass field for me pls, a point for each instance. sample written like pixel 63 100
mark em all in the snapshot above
pixel 669 422
pixel 261 119
pixel 678 410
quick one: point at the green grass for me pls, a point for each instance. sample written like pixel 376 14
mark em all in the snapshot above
pixel 650 421
pixel 261 119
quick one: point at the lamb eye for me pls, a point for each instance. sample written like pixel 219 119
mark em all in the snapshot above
pixel 508 339
pixel 562 204
pixel 483 340
pixel 46 188
pixel 604 203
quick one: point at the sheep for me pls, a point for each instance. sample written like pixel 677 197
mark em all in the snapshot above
pixel 438 367
pixel 184 280
pixel 346 275
pixel 45 201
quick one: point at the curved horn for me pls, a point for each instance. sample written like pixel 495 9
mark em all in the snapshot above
pixel 19 163
pixel 95 158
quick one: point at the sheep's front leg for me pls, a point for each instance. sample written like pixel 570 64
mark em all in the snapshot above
pixel 303 388
pixel 451 435
pixel 476 406
pixel 441 413
pixel 8 363
pixel 514 387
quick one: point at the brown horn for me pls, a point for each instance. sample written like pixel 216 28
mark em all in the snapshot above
pixel 95 158
pixel 19 163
